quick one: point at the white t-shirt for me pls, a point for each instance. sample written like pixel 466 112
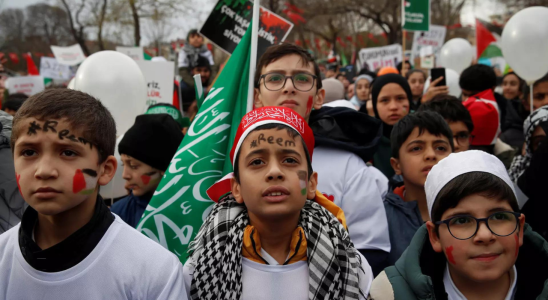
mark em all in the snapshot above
pixel 124 265
pixel 454 293
pixel 275 281
pixel 359 190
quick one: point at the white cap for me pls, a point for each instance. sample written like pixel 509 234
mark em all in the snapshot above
pixel 461 163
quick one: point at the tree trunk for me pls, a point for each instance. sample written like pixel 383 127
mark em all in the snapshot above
pixel 77 34
pixel 136 25
pixel 101 21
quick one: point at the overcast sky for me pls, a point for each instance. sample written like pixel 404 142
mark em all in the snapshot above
pixel 473 9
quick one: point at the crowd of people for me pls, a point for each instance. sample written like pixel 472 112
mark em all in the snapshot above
pixel 369 187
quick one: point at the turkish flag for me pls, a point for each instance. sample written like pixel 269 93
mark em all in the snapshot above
pixel 31 67
pixel 483 38
pixel 14 58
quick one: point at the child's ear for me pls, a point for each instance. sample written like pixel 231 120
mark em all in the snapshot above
pixel 236 192
pixel 434 238
pixel 521 221
pixel 312 185
pixel 318 101
pixel 395 163
pixel 107 170
pixel 256 101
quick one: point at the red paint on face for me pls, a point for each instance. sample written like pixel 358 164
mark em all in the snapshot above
pixel 309 105
pixel 78 182
pixel 145 179
pixel 449 253
pixel 18 176
pixel 517 244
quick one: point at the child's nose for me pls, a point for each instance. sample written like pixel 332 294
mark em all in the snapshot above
pixel 46 170
pixel 274 173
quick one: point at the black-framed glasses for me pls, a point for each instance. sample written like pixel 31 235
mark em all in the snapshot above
pixel 303 82
pixel 502 223
pixel 462 138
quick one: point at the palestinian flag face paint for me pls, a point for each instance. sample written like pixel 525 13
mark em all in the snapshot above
pixel 303 181
pixel 151 178
pixel 84 181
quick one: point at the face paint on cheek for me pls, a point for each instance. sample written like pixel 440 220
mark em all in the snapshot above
pixel 309 105
pixel 517 244
pixel 449 254
pixel 84 181
pixel 152 177
pixel 302 181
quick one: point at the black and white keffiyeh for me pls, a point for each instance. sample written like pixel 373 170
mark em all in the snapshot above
pixel 216 254
pixel 521 162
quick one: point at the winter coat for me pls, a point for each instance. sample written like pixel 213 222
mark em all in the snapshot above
pixel 381 160
pixel 418 274
pixel 131 208
pixel 12 204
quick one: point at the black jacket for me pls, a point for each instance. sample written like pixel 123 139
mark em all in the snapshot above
pixel 346 129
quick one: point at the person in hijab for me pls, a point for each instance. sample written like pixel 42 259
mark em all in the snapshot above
pixel 416 79
pixel 390 95
pixel 534 133
pixel 361 90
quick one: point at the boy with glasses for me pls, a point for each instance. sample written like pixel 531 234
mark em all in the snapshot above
pixel 287 76
pixel 456 115
pixel 469 249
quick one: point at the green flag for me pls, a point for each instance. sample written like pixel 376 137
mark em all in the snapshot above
pixel 180 204
pixel 415 15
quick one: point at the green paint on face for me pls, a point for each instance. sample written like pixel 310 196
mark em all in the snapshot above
pixel 303 175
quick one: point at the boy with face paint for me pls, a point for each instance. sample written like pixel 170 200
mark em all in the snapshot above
pixel 287 76
pixel 476 246
pixel 146 151
pixel 267 238
pixel 68 244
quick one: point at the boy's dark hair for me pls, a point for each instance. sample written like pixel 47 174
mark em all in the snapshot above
pixel 526 89
pixel 276 52
pixel 413 71
pixel 478 78
pixel 192 32
pixel 82 111
pixel 200 62
pixel 291 133
pixel 450 108
pixel 481 183
pixel 14 101
pixel 426 120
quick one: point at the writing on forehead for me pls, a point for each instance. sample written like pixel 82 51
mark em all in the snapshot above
pixel 51 126
pixel 271 140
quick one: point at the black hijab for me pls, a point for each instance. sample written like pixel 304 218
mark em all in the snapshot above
pixel 378 84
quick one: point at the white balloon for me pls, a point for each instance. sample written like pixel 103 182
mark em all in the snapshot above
pixel 525 43
pixel 115 188
pixel 71 84
pixel 452 81
pixel 456 54
pixel 116 80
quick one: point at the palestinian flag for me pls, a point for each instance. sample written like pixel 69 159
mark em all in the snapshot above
pixel 487 46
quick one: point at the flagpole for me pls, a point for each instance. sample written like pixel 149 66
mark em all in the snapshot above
pixel 253 53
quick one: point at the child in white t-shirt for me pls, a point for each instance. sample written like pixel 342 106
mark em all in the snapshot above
pixel 68 244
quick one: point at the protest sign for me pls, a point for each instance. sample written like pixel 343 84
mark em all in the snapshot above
pixel 51 68
pixel 136 53
pixel 71 55
pixel 159 77
pixel 375 58
pixel 427 57
pixel 435 38
pixel 229 20
pixel 416 15
pixel 28 85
